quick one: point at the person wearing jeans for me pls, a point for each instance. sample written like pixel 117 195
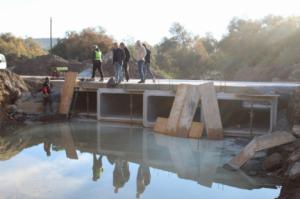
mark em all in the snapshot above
pixel 118 59
pixel 140 53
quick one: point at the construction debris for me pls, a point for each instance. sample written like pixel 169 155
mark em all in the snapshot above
pixel 183 110
pixel 180 122
pixel 260 143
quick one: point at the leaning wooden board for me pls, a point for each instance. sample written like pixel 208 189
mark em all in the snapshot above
pixel 67 92
pixel 189 108
pixel 176 110
pixel 211 112
pixel 260 143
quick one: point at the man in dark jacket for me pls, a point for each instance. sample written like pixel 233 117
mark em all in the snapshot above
pixel 118 59
pixel 125 63
pixel 97 62
pixel 147 64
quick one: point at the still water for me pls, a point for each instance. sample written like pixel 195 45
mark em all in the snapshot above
pixel 100 160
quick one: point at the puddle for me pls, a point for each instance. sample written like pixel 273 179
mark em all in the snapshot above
pixel 102 160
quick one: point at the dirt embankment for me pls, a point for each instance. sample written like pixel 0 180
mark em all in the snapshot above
pixel 11 88
pixel 43 66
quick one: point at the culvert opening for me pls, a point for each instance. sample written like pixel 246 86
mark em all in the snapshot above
pixel 245 116
pixel 85 102
pixel 121 105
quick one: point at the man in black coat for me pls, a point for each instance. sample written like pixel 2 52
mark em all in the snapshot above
pixel 147 64
pixel 126 60
pixel 118 60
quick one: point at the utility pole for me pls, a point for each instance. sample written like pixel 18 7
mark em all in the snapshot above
pixel 50 33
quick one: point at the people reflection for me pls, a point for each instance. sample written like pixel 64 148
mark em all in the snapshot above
pixel 97 167
pixel 121 174
pixel 142 180
pixel 47 147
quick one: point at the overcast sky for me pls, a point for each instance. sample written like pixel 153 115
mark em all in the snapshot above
pixel 147 20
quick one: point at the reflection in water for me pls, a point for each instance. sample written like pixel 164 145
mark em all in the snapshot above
pixel 121 174
pixel 97 167
pixel 197 160
pixel 143 179
pixel 47 147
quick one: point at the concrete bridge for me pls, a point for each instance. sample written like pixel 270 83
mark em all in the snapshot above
pixel 247 108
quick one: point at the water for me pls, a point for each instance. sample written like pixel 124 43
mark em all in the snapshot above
pixel 97 160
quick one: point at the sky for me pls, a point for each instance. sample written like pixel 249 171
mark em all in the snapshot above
pixel 146 20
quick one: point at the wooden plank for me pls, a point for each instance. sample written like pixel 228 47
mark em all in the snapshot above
pixel 67 92
pixel 176 110
pixel 160 125
pixel 260 143
pixel 273 139
pixel 211 112
pixel 196 130
pixel 188 111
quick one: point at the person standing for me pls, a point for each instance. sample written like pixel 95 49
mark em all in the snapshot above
pixel 147 63
pixel 140 53
pixel 97 62
pixel 126 60
pixel 118 59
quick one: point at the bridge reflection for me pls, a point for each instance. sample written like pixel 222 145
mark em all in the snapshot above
pixel 198 160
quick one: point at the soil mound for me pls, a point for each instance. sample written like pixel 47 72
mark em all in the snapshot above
pixel 44 65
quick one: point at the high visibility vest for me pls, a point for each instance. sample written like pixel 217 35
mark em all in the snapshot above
pixel 98 55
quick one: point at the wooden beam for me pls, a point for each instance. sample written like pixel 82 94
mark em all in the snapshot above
pixel 176 110
pixel 260 143
pixel 211 112
pixel 67 92
pixel 195 131
pixel 189 108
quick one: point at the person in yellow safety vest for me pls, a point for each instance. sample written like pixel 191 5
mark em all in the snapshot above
pixel 97 62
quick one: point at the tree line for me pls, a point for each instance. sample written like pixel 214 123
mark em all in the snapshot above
pixel 261 45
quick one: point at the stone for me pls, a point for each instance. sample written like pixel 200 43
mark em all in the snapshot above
pixel 272 162
pixel 296 131
pixel 295 156
pixel 294 171
pixel 11 109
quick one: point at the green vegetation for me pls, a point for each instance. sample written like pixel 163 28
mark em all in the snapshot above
pixel 15 48
pixel 261 50
pixel 249 44
pixel 79 45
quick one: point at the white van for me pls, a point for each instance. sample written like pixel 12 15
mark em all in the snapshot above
pixel 2 62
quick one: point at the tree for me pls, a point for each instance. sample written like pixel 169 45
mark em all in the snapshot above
pixel 79 45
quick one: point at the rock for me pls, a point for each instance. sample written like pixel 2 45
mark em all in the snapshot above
pixel 294 171
pixel 296 131
pixel 295 156
pixel 272 162
pixel 11 109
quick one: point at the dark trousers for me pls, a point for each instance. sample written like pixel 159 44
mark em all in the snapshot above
pixel 126 70
pixel 47 101
pixel 148 71
pixel 97 65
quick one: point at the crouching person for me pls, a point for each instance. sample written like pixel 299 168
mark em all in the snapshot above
pixel 47 99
